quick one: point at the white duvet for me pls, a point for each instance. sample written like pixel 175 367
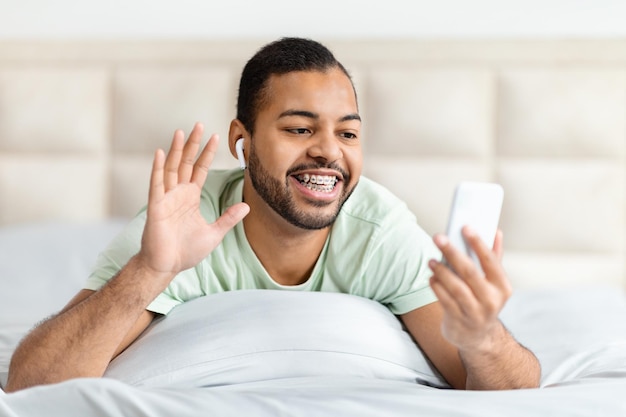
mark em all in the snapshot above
pixel 269 353
pixel 272 353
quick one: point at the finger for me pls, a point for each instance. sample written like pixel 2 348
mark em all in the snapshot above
pixel 489 261
pixel 446 300
pixel 498 245
pixel 458 260
pixel 172 161
pixel 233 215
pixel 156 190
pixel 488 270
pixel 459 292
pixel 202 165
pixel 189 153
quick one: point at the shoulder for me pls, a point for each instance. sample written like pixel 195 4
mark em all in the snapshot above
pixel 378 247
pixel 378 219
pixel 374 204
pixel 220 180
pixel 374 216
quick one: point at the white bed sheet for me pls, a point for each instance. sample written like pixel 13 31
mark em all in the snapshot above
pixel 579 335
pixel 43 265
pixel 313 396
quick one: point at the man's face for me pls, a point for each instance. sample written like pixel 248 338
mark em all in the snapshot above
pixel 305 156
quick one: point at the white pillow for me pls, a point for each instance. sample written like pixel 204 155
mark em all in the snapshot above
pixel 255 335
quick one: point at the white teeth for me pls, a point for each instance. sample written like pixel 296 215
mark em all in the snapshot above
pixel 321 183
pixel 318 179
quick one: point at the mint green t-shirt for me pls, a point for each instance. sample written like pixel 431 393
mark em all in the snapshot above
pixel 375 250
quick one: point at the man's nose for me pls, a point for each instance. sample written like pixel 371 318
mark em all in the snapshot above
pixel 326 146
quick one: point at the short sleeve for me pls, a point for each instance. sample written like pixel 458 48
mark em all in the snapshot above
pixel 398 270
pixel 117 254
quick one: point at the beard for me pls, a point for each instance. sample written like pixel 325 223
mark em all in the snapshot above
pixel 279 197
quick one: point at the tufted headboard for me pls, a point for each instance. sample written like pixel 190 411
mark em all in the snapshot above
pixel 79 122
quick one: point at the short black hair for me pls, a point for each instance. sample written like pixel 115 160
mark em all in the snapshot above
pixel 276 58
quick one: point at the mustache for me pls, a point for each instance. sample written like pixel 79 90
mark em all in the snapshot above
pixel 313 166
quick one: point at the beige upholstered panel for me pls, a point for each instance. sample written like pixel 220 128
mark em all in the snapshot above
pixel 425 184
pixel 54 109
pixel 574 112
pixel 79 123
pixel 585 200
pixel 150 103
pixel 435 111
pixel 39 187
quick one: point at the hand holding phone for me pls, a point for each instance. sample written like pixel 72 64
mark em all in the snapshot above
pixel 478 205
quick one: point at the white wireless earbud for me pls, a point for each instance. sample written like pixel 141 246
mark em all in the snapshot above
pixel 239 150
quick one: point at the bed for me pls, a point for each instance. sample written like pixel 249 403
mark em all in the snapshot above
pixel 79 123
pixel 283 353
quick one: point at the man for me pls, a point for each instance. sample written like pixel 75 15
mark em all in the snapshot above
pixel 300 217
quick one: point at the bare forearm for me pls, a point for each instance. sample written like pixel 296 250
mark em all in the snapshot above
pixel 81 341
pixel 508 365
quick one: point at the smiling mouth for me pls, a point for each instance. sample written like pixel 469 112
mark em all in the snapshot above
pixel 319 183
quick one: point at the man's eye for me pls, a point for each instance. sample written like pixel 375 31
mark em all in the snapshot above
pixel 349 135
pixel 299 131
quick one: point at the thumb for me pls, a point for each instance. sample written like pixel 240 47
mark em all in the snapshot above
pixel 233 215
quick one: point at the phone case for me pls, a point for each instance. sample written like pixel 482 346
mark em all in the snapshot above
pixel 478 205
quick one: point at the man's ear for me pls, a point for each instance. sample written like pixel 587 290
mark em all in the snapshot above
pixel 236 132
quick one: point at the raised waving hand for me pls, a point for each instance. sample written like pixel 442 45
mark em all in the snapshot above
pixel 176 235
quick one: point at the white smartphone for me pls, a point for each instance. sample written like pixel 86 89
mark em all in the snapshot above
pixel 478 205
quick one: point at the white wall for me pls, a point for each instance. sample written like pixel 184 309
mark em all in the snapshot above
pixel 210 19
